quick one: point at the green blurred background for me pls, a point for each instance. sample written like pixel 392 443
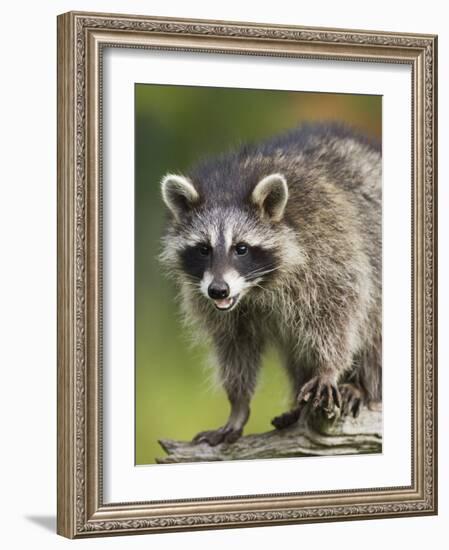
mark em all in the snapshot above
pixel 174 127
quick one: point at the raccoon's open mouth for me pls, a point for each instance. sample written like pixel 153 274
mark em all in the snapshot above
pixel 225 304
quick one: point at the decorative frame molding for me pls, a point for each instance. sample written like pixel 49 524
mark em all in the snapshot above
pixel 81 37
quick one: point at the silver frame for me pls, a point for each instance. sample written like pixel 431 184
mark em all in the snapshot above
pixel 81 40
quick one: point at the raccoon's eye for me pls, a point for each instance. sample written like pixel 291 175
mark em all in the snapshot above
pixel 241 249
pixel 204 250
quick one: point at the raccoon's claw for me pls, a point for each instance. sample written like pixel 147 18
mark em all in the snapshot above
pixel 324 394
pixel 352 399
pixel 286 419
pixel 225 434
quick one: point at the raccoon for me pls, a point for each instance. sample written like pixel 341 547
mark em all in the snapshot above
pixel 279 242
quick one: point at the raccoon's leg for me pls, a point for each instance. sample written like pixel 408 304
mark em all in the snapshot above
pixel 286 419
pixel 322 390
pixel 298 376
pixel 352 398
pixel 363 385
pixel 233 429
pixel 239 363
pixel 330 359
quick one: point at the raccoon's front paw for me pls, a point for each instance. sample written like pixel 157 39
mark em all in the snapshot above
pixel 323 391
pixel 225 434
pixel 352 399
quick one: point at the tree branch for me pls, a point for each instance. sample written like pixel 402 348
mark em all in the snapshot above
pixel 317 436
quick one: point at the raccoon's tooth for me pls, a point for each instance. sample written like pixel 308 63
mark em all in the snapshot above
pixel 225 303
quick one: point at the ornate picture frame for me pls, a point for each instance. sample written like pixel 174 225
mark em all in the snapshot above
pixel 82 39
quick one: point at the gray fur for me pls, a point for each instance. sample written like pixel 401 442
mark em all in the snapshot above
pixel 321 304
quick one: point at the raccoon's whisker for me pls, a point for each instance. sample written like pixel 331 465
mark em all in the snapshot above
pixel 260 272
pixel 192 284
pixel 190 281
pixel 261 287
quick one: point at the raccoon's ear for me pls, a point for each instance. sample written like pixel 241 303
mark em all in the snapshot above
pixel 179 194
pixel 271 195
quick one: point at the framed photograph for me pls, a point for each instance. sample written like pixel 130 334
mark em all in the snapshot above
pixel 246 274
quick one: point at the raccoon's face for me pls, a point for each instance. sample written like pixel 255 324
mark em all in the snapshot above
pixel 223 250
pixel 225 264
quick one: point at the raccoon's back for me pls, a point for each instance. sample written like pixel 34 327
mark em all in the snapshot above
pixel 313 156
pixel 306 156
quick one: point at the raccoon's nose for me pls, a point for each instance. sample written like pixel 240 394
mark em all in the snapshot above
pixel 218 291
